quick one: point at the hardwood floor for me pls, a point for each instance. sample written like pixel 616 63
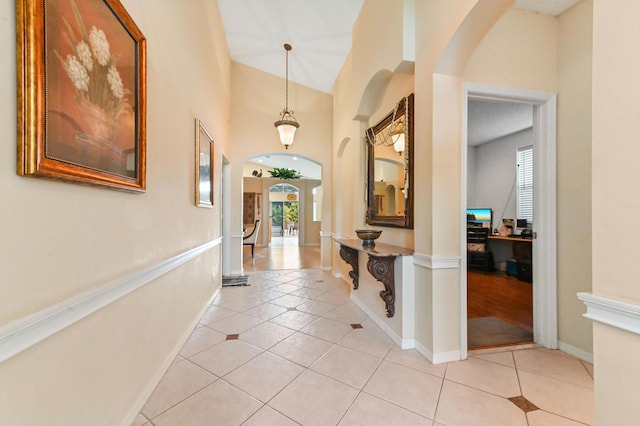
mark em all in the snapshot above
pixel 498 295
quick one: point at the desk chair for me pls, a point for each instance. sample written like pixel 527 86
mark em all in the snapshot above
pixel 478 253
pixel 250 240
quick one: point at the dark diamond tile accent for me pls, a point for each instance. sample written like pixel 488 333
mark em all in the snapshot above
pixel 292 309
pixel 523 403
pixel 232 336
pixel 354 326
pixel 320 281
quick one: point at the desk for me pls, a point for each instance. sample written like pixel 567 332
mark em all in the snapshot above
pixel 519 250
pixel 520 239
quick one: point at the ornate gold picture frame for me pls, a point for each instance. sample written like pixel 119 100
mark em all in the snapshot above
pixel 81 93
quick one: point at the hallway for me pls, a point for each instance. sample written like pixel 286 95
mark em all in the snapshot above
pixel 292 349
pixel 281 254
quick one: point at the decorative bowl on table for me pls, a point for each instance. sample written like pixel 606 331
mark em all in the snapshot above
pixel 368 236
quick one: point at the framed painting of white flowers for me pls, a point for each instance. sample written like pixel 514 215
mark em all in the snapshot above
pixel 204 166
pixel 81 93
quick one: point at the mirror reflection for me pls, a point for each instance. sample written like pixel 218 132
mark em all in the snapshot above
pixel 390 168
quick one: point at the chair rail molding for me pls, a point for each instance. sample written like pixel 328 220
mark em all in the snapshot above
pixel 622 315
pixel 25 332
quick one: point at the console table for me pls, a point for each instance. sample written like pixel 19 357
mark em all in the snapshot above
pixel 380 265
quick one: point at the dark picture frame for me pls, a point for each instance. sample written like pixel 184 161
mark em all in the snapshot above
pixel 81 93
pixel 204 166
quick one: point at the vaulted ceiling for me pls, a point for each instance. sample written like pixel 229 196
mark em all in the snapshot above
pixel 318 30
pixel 320 34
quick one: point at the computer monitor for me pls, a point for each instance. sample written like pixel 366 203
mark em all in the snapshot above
pixel 480 217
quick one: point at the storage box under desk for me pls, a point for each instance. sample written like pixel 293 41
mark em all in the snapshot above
pixel 512 248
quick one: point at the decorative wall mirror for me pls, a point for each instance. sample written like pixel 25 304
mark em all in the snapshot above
pixel 390 168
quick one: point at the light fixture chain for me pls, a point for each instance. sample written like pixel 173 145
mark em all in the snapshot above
pixel 286 90
pixel 287 124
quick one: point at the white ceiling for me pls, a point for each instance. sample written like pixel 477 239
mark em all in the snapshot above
pixel 490 120
pixel 547 7
pixel 307 168
pixel 320 33
pixel 318 30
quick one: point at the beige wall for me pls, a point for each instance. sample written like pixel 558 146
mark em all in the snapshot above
pixel 348 169
pixel 61 240
pixel 615 186
pixel 519 51
pixel 574 173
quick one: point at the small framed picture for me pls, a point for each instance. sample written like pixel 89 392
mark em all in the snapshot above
pixel 204 166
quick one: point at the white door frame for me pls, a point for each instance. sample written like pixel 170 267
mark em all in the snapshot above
pixel 545 309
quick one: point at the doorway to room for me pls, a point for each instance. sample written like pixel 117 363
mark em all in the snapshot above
pixel 511 297
pixel 284 215
pixel 499 209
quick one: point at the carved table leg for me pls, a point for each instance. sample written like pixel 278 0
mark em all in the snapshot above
pixel 350 256
pixel 381 267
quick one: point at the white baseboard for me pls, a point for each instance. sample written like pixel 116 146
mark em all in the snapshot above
pixel 438 358
pixel 408 344
pixel 151 386
pixel 25 332
pixel 383 326
pixel 444 357
pixel 577 352
pixel 424 352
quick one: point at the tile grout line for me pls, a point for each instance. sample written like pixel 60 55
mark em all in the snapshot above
pixel 334 345
pixel 515 366
pixel 444 377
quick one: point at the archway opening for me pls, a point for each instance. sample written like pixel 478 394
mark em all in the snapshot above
pixel 284 207
pixel 284 192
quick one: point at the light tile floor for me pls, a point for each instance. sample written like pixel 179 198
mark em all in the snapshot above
pixel 288 350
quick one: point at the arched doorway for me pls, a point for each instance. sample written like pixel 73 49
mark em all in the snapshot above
pixel 284 207
pixel 289 210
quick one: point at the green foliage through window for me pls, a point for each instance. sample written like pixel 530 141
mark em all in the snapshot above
pixel 290 211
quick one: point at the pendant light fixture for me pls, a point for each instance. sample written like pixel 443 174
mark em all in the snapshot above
pixel 287 125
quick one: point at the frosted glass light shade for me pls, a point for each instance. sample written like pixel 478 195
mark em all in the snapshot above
pixel 398 142
pixel 287 131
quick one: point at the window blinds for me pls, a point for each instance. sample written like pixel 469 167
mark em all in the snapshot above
pixel 525 183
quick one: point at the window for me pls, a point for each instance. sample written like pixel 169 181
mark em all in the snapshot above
pixel 525 183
